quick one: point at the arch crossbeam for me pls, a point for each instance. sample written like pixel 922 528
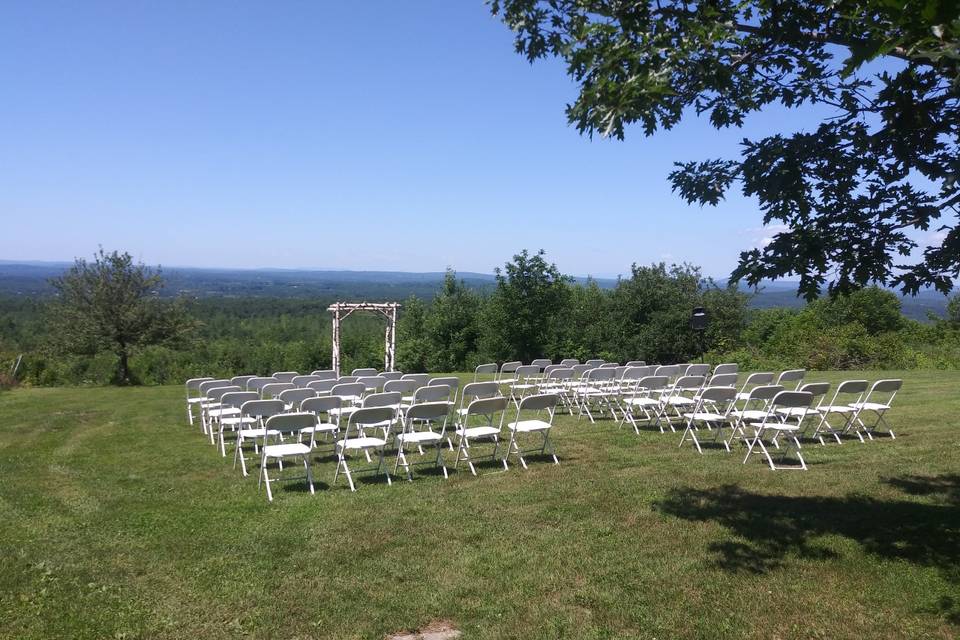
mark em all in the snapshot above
pixel 388 310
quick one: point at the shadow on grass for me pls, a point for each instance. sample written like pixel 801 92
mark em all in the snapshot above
pixel 770 527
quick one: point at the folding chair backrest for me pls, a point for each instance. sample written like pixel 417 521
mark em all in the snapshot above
pixel 346 379
pixel 403 386
pixel 723 380
pixel 205 386
pixel 849 388
pixel 255 384
pixel 636 363
pixel 730 367
pixel 364 372
pixel 793 375
pixel 620 371
pixel 369 416
pixel 609 365
pixel 653 382
pixel 550 367
pixel 285 376
pixel 569 362
pixel 348 389
pixel 480 390
pixel 721 395
pixel 789 399
pixel 422 379
pixel 560 373
pixel 487 406
pixel 261 408
pixel 372 383
pixel 391 375
pixel 303 381
pixel 697 370
pixel 291 422
pixel 451 381
pixel 427 411
pixel 765 392
pixel 756 380
pixel 485 370
pixel 594 362
pixel 324 374
pixel 880 390
pixel 539 402
pixel 509 367
pixel 689 382
pixel 541 363
pixel 296 396
pixel 817 390
pixel 320 404
pixel 193 384
pixel 241 381
pixel 432 393
pixel 527 371
pixel 218 392
pixel 601 374
pixel 580 369
pixel 322 386
pixel 669 370
pixel 236 399
pixel 386 399
pixel 274 389
pixel 635 373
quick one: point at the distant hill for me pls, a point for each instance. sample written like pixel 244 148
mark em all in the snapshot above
pixel 31 279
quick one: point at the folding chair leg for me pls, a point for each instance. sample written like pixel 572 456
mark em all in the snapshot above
pixel 306 464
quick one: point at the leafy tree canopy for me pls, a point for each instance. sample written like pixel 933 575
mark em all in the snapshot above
pixel 855 192
pixel 110 304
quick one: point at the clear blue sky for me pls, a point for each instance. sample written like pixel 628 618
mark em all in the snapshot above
pixel 333 135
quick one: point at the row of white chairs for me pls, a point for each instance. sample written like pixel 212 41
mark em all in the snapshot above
pixel 357 419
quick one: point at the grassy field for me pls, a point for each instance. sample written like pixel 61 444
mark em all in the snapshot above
pixel 117 520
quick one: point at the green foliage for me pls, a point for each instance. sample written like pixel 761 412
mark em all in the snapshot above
pixel 111 304
pixel 883 162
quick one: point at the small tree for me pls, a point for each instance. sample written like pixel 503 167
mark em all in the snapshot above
pixel 111 304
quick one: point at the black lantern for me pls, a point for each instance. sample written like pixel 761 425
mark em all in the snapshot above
pixel 698 322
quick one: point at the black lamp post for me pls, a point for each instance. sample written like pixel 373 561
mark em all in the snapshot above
pixel 698 322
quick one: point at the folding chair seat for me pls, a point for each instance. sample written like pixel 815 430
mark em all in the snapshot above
pixel 773 424
pixel 276 427
pixel 508 371
pixel 356 438
pixel 489 369
pixel 391 375
pixel 877 401
pixel 285 376
pixel 322 387
pixel 424 415
pixel 712 410
pixel 235 420
pixel 260 411
pixel 848 394
pixel 791 378
pixel 488 409
pixel 364 372
pixel 754 380
pixel 320 406
pixel 754 410
pixel 274 389
pixel 193 395
pixel 324 374
pixel 530 425
pixel 293 397
pixel 731 367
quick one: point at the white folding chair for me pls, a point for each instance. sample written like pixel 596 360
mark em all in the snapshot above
pixel 640 401
pixel 595 390
pixel 322 387
pixel 426 414
pixel 681 397
pixel 234 420
pixel 241 381
pixel 787 378
pixel 541 363
pixel 276 427
pixel 260 411
pixel 293 397
pixel 760 379
pixel 878 401
pixel 274 389
pixel 488 409
pixel 350 394
pixel 772 423
pixel 356 438
pixel 507 371
pixel 848 394
pixel 818 392
pixel 453 382
pixel 755 409
pixel 526 379
pixel 205 403
pixel 214 409
pixel 533 404
pixel 489 369
pixel 193 395
pixel 712 410
pixel 256 384
pixel 320 406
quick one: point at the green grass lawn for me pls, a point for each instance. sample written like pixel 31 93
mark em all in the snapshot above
pixel 117 520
